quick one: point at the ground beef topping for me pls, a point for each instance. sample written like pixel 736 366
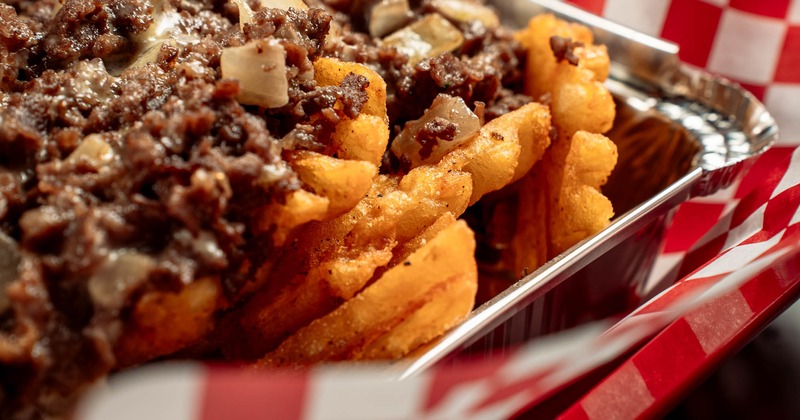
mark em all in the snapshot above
pixel 439 129
pixel 124 150
pixel 564 49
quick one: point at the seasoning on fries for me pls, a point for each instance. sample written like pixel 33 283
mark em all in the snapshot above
pixel 275 182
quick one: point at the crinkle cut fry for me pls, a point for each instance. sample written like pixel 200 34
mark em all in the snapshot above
pixel 346 332
pixel 335 182
pixel 189 313
pixel 333 186
pixel 541 61
pixel 573 173
pixel 394 213
pixel 560 202
pixel 330 262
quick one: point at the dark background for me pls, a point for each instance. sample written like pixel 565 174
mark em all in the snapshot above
pixel 762 381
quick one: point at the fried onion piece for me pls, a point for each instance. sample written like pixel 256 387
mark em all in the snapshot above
pixel 188 313
pixel 346 332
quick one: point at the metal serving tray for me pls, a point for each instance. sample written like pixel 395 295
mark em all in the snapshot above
pixel 681 133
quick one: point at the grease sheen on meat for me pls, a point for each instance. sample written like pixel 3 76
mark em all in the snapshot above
pixel 107 161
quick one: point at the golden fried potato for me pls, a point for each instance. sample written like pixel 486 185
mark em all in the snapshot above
pixel 403 250
pixel 575 172
pixel 447 306
pixel 333 184
pixel 534 125
pixel 189 314
pixel 305 283
pixel 561 197
pixel 579 102
pixel 336 180
pixel 269 318
pixel 300 208
pixel 363 138
pixel 595 59
pixel 578 99
pixel 504 149
pixel 329 262
pixel 530 241
pixel 385 304
pixel 342 182
pixel 434 191
pixel 541 63
pixel 559 203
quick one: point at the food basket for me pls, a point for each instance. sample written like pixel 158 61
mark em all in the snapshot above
pixel 681 132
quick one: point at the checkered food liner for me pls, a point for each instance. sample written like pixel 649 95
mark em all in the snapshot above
pixel 733 258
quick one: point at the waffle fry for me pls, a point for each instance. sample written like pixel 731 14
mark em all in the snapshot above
pixel 444 262
pixel 332 261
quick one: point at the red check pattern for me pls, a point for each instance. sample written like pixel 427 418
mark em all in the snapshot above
pixel 705 316
pixel 756 43
pixel 734 259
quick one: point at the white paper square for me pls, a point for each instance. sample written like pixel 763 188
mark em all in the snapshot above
pixel 737 258
pixel 171 392
pixel 792 175
pixel 706 325
pixel 796 218
pixel 351 394
pixel 794 12
pixel 747 46
pixel 783 102
pixel 644 16
pixel 752 225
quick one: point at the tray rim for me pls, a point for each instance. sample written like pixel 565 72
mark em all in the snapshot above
pixel 698 181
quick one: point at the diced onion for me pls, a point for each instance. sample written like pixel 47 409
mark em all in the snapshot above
pixel 94 149
pixel 245 13
pixel 114 281
pixel 425 38
pixel 386 16
pixel 91 83
pixel 165 30
pixel 149 53
pixel 451 109
pixel 467 11
pixel 260 68
pixel 9 262
pixel 284 4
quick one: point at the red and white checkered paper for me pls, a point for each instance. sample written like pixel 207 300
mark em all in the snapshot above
pixel 734 258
